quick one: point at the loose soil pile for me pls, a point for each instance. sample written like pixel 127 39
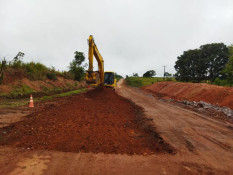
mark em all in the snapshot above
pixel 96 121
pixel 216 95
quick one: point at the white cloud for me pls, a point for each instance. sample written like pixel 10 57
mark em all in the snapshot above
pixel 132 35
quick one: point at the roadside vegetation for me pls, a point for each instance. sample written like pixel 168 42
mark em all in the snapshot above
pixel 147 78
pixel 11 103
pixel 62 94
pixel 37 71
pixel 12 72
pixel 19 91
pixel 144 81
pixel 118 77
pixel 211 63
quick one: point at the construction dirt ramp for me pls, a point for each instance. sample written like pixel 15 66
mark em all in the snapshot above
pixel 216 95
pixel 96 121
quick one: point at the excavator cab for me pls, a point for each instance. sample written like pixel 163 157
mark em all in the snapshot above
pixel 109 79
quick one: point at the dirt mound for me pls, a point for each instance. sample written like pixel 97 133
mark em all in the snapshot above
pixel 96 121
pixel 216 95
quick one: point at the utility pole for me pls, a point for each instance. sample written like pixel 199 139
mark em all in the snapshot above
pixel 2 70
pixel 164 71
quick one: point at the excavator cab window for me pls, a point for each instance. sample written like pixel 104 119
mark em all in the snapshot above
pixel 108 78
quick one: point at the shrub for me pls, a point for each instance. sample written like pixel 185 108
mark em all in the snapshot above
pixel 20 91
pixel 133 82
pixel 51 76
pixel 67 75
pixel 220 82
pixel 17 64
pixel 36 71
pixel 169 79
pixel 75 84
pixel 77 71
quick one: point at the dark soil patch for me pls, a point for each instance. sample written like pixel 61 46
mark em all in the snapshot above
pixel 96 121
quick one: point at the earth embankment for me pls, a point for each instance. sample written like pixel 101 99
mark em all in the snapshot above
pixel 216 95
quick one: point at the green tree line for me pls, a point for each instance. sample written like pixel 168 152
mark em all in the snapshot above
pixel 209 63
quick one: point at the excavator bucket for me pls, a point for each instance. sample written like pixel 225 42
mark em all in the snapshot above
pixel 92 77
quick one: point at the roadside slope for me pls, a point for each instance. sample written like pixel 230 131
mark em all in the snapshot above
pixel 22 87
pixel 216 95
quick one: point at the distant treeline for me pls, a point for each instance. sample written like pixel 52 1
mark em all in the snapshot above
pixel 209 63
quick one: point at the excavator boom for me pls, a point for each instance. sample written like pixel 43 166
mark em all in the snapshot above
pixel 98 78
pixel 93 51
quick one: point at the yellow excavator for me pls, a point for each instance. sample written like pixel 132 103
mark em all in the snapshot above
pixel 98 78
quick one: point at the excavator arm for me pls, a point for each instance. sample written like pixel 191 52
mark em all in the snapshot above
pixel 91 76
pixel 98 78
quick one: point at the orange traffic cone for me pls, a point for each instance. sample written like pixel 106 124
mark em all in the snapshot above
pixel 31 105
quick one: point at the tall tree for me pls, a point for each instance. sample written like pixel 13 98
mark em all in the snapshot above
pixel 216 56
pixel 19 56
pixel 17 61
pixel 205 63
pixel 167 74
pixel 183 67
pixel 229 66
pixel 79 57
pixel 75 66
pixel 149 73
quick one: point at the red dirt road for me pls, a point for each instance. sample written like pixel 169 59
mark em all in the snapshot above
pixel 203 146
pixel 200 141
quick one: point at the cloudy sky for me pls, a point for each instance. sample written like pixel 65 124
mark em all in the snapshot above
pixel 131 35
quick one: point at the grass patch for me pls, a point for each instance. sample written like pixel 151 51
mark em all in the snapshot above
pixel 71 92
pixel 35 71
pixel 57 89
pixel 46 98
pixel 144 81
pixel 10 103
pixel 62 94
pixel 20 91
pixel 69 86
